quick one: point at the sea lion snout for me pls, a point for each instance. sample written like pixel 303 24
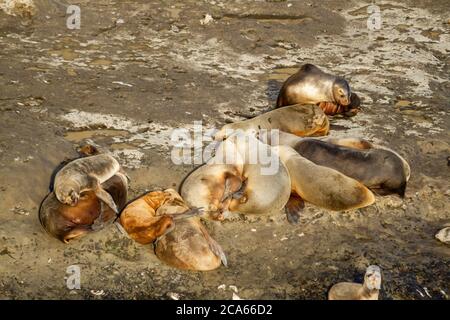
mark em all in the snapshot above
pixel 68 196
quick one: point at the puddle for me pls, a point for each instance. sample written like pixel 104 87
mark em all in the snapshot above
pixel 77 136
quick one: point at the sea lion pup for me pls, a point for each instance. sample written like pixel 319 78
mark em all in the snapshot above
pixel 86 174
pixel 333 108
pixel 66 222
pixel 321 186
pixel 378 168
pixel 247 186
pixel 158 214
pixel 301 120
pixel 369 290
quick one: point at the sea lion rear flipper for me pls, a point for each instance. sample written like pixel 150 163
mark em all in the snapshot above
pixel 233 184
pixel 106 198
pixel 188 214
pixel 293 208
pixel 215 247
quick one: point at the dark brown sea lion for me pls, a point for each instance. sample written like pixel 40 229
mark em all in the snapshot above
pixel 382 170
pixel 66 222
pixel 311 85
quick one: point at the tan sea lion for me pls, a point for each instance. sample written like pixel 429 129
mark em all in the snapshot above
pixel 369 290
pixel 188 247
pixel 86 174
pixel 247 186
pixel 66 222
pixel 378 168
pixel 301 120
pixel 321 186
pixel 164 216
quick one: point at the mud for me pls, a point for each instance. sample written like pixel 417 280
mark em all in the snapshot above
pixel 137 70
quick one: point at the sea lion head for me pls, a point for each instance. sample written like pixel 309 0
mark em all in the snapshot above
pixel 341 91
pixel 68 195
pixel 372 278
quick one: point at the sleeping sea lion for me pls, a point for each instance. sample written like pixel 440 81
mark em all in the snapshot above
pixel 66 222
pixel 163 216
pixel 321 186
pixel 301 120
pixel 86 174
pixel 247 185
pixel 369 290
pixel 378 168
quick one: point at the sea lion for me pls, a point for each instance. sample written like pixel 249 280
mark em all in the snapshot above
pixel 301 120
pixel 188 247
pixel 150 216
pixel 369 290
pixel 156 215
pixel 66 222
pixel 321 186
pixel 350 110
pixel 246 185
pixel 378 168
pixel 86 174
pixel 311 85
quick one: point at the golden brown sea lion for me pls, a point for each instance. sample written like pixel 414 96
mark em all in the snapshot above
pixel 163 216
pixel 86 174
pixel 301 120
pixel 311 85
pixel 369 290
pixel 66 222
pixel 321 186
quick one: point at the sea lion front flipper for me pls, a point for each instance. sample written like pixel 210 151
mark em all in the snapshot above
pixel 293 208
pixel 214 246
pixel 106 198
pixel 98 223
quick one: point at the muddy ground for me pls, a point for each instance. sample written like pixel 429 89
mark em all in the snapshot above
pixel 136 70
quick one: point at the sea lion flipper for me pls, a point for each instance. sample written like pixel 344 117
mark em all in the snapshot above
pixel 188 214
pixel 293 209
pixel 106 198
pixel 214 246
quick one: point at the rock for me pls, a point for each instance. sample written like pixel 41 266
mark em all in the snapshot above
pixel 402 103
pixel 206 19
pixel 433 146
pixel 444 235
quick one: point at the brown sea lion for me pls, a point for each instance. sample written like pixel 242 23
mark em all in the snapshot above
pixel 378 168
pixel 321 186
pixel 301 120
pixel 86 174
pixel 311 85
pixel 162 216
pixel 66 222
pixel 369 290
